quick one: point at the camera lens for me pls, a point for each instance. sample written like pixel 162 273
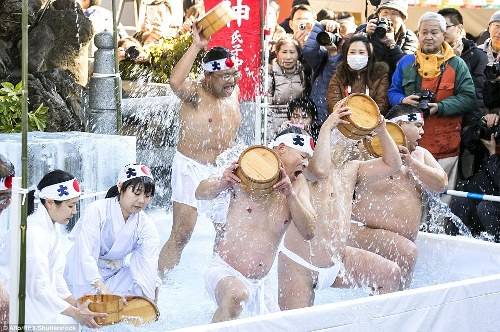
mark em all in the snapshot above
pixel 325 38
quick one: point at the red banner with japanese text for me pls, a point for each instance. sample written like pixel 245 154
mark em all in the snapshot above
pixel 242 37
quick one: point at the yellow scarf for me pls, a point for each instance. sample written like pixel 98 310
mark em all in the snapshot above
pixel 429 64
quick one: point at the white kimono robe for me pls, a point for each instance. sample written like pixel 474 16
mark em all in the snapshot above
pixel 45 259
pixel 124 255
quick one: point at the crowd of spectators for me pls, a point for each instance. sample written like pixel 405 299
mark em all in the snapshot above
pixel 437 68
pixel 317 59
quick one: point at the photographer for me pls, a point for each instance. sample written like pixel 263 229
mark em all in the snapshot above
pixel 481 215
pixel 131 49
pixel 476 60
pixel 390 38
pixel 491 90
pixel 323 60
pixel 439 83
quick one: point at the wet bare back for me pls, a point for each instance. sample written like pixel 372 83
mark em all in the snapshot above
pixel 208 125
pixel 393 203
pixel 254 229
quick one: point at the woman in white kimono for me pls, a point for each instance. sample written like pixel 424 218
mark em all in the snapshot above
pixel 48 300
pixel 116 245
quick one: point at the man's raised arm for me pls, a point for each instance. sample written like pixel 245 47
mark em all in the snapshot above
pixel 390 162
pixel 181 86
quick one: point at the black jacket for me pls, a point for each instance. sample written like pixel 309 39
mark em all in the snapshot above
pixel 476 60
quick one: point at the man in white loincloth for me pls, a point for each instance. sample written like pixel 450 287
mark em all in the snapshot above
pixel 390 209
pixel 209 121
pixel 237 275
pixel 305 266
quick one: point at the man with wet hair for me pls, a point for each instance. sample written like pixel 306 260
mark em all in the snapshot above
pixel 209 121
pixel 388 210
pixel 256 223
pixel 307 265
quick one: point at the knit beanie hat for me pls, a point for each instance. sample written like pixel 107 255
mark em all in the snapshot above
pixel 495 17
pixel 400 5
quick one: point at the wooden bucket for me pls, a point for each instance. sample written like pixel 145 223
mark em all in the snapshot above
pixel 139 310
pixel 258 169
pixel 364 118
pixel 215 19
pixel 373 145
pixel 107 303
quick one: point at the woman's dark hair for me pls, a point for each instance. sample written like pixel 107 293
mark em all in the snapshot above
pixel 344 73
pixel 140 183
pixel 303 103
pixel 56 176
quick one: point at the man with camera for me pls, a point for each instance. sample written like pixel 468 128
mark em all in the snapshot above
pixel 439 83
pixel 301 22
pixel 388 33
pixel 491 89
pixel 320 51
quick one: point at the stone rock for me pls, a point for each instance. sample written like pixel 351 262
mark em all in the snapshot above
pixel 58 90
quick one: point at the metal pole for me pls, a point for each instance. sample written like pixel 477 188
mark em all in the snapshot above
pixel 24 161
pixel 118 88
pixel 465 194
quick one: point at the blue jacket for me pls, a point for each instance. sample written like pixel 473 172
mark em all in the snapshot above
pixel 323 69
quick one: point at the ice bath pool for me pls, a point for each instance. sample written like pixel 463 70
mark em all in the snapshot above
pixel 456 287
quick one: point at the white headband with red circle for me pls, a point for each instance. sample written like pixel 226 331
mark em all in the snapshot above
pixel 134 171
pixel 61 191
pixel 220 64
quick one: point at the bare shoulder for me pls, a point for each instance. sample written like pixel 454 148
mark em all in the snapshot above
pixel 189 92
pixel 427 157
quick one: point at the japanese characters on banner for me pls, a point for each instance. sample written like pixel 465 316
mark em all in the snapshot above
pixel 242 37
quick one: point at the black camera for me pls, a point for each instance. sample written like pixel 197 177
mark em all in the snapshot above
pixel 132 53
pixel 485 132
pixel 492 71
pixel 425 97
pixel 383 26
pixel 325 38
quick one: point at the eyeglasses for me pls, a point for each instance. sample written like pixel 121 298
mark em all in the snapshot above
pixel 228 76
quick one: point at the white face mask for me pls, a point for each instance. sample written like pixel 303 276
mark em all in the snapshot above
pixel 357 62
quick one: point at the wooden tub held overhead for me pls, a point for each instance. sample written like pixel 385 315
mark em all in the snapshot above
pixel 373 144
pixel 364 118
pixel 215 19
pixel 258 169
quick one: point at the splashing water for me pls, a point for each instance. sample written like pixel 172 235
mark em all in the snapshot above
pixel 438 213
